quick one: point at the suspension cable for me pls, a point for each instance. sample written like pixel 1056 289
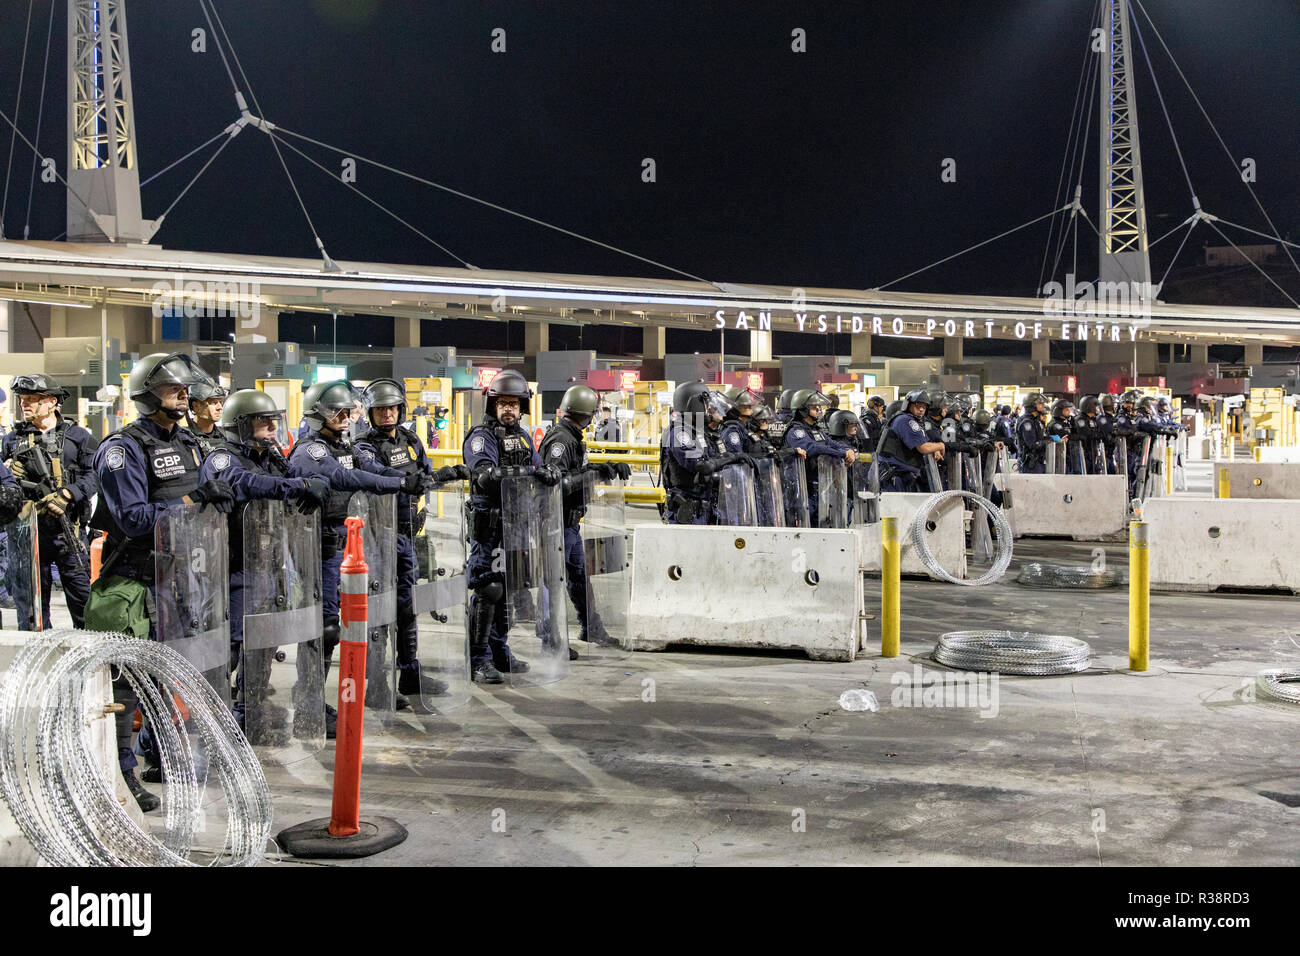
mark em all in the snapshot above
pixel 18 100
pixel 40 115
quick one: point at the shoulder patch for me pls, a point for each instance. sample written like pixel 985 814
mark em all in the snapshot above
pixel 798 433
pixel 557 450
pixel 476 445
pixel 686 440
pixel 366 454
pixel 115 457
pixel 916 426
pixel 317 450
pixel 221 461
pixel 734 439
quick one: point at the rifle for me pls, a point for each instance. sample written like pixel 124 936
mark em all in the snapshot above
pixel 42 476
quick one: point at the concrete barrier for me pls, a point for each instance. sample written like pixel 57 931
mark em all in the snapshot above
pixel 1260 479
pixel 1082 507
pixel 775 588
pixel 1201 544
pixel 101 735
pixel 1284 454
pixel 947 539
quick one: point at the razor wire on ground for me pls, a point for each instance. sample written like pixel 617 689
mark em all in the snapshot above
pixel 1013 652
pixel 59 795
pixel 1280 684
pixel 1039 575
pixel 1002 558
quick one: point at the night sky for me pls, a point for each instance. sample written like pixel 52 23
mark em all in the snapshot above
pixel 813 169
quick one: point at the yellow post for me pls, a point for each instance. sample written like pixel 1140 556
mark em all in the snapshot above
pixel 1223 483
pixel 890 562
pixel 1139 596
pixel 1258 452
pixel 1169 470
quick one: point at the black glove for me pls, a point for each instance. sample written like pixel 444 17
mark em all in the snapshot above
pixel 623 470
pixel 216 493
pixel 605 471
pixel 548 475
pixel 462 471
pixel 311 496
pixel 717 464
pixel 11 502
pixel 487 480
pixel 417 483
pixel 448 473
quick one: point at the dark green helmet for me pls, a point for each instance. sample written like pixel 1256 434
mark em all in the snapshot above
pixel 983 418
pixel 745 398
pixel 203 391
pixel 323 401
pixel 783 402
pixel 730 393
pixel 936 399
pixel 841 420
pixel 384 393
pixel 805 399
pixel 689 398
pixel 156 370
pixel 580 403
pixel 241 408
pixel 762 415
pixel 38 384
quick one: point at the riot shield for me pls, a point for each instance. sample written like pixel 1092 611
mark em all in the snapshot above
pixel 1180 460
pixel 607 579
pixel 832 492
pixel 932 474
pixel 1144 467
pixel 981 535
pixel 794 491
pixel 734 486
pixel 23 574
pixel 439 596
pixel 1121 456
pixel 532 542
pixel 191 589
pixel 1049 458
pixel 864 494
pixel 954 467
pixel 1074 458
pixel 379 541
pixel 769 500
pixel 280 687
pixel 1097 465
pixel 1008 504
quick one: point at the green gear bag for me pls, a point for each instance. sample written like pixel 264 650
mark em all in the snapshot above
pixel 118 605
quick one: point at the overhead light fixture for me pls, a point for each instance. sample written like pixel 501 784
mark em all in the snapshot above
pixel 891 335
pixel 72 305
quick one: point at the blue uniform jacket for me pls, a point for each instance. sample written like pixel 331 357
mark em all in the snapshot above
pixel 124 481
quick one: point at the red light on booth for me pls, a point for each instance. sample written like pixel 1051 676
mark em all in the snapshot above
pixel 485 376
pixel 754 381
pixel 1071 384
pixel 1161 380
pixel 627 380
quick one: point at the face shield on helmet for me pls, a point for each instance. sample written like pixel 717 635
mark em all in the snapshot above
pixel 716 406
pixel 161 383
pixel 384 403
pixel 335 405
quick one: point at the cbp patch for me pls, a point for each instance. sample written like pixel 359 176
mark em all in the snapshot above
pixel 686 440
pixel 366 454
pixel 733 440
pixel 476 445
pixel 798 433
pixel 916 426
pixel 557 451
pixel 317 450
pixel 115 457
pixel 221 461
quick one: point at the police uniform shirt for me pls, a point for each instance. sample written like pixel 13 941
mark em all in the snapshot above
pixel 733 437
pixel 336 461
pixel 124 474
pixel 247 476
pixel 563 447
pixel 813 440
pixel 483 449
pixel 397 455
pixel 687 450
pixel 910 431
pixel 1030 439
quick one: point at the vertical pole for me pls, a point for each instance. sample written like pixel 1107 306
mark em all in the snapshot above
pixel 1223 482
pixel 890 555
pixel 1169 469
pixel 1139 596
pixel 354 588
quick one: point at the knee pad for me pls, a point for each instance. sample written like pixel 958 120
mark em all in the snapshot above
pixel 492 592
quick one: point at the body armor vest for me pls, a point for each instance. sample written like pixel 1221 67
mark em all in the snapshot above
pixel 893 447
pixel 336 503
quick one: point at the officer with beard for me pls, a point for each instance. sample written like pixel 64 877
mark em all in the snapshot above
pixel 67 450
pixel 563 447
pixel 141 469
pixel 325 452
pixel 387 448
pixel 495 448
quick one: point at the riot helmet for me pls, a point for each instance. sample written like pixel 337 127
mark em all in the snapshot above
pixel 983 418
pixel 806 399
pixel 1033 403
pixel 783 402
pixel 746 399
pixel 38 384
pixel 840 422
pixel 1107 402
pixel 918 396
pixel 580 403
pixel 1164 406
pixel 1061 408
pixel 323 402
pixel 507 383
pixel 157 371
pixel 896 407
pixel 1089 405
pixel 244 411
pixel 1147 405
pixel 384 393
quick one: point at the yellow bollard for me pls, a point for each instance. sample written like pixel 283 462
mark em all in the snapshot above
pixel 1139 596
pixel 1258 452
pixel 890 563
pixel 1169 470
pixel 1223 483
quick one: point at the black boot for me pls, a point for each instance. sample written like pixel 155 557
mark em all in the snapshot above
pixel 482 670
pixel 146 801
pixel 596 634
pixel 412 680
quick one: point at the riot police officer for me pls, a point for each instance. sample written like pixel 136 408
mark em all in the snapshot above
pixel 206 399
pixel 1088 435
pixel 249 460
pixel 1031 436
pixel 806 434
pixel 904 445
pixel 781 419
pixel 1106 409
pixel 563 447
pixel 141 469
pixel 395 450
pixel 52 458
pixel 873 421
pixel 496 448
pixel 1060 429
pixel 736 429
pixel 687 458
pixel 11 496
pixel 1126 427
pixel 325 452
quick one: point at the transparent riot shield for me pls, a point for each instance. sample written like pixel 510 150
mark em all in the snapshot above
pixel 1097 465
pixel 1050 458
pixel 191 589
pixel 1180 462
pixel 954 465
pixel 981 535
pixel 439 597
pixel 1008 503
pixel 1074 457
pixel 1144 467
pixel 23 572
pixel 794 491
pixel 605 578
pixel 379 541
pixel 864 494
pixel 769 500
pixel 280 685
pixel 1121 456
pixel 532 542
pixel 932 478
pixel 734 486
pixel 1158 466
pixel 832 492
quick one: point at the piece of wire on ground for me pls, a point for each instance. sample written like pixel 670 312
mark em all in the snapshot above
pixel 1002 527
pixel 1013 652
pixel 59 795
pixel 1279 684
pixel 1038 575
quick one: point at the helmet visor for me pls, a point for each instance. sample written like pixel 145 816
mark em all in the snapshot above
pixel 266 427
pixel 716 406
pixel 176 370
